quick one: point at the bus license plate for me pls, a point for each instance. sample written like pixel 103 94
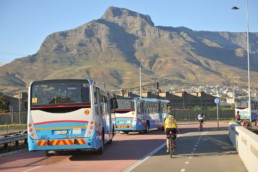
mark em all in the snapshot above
pixel 61 132
pixel 77 131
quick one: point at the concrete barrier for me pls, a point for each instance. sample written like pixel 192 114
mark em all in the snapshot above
pixel 246 144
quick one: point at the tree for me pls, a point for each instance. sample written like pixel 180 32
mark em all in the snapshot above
pixel 4 104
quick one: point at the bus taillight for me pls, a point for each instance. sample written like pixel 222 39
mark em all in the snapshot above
pixel 87 112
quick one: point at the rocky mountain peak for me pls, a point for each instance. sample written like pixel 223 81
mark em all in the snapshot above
pixel 122 16
pixel 109 50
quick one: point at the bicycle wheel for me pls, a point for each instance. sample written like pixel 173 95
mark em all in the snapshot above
pixel 171 149
pixel 200 126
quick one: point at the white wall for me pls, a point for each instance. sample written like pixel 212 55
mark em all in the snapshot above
pixel 246 144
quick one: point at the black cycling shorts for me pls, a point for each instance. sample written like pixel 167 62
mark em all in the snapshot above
pixel 174 130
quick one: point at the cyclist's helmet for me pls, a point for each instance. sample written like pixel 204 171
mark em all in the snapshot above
pixel 170 116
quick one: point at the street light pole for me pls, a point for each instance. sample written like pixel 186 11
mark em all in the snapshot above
pixel 140 82
pixel 248 62
pixel 248 59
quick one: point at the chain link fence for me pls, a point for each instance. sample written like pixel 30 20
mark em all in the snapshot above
pixel 13 122
pixel 16 122
pixel 210 115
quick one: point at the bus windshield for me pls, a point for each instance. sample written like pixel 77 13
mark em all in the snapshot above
pixel 59 93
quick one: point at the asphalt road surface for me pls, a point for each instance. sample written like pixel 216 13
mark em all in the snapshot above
pixel 209 150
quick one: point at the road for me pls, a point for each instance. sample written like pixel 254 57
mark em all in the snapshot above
pixel 209 150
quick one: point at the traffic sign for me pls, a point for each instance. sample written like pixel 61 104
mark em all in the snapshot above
pixel 217 100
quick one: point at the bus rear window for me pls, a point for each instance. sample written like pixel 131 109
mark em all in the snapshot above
pixel 59 93
pixel 125 104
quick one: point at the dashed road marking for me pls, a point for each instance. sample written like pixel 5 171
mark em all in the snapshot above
pixel 32 168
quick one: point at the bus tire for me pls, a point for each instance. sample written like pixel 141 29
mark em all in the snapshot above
pixel 110 141
pixel 101 149
pixel 49 153
pixel 112 136
pixel 113 131
pixel 147 129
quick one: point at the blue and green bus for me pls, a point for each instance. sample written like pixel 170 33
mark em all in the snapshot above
pixel 69 114
pixel 140 114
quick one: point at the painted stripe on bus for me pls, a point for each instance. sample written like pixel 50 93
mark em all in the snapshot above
pixel 61 142
pixel 61 127
pixel 58 121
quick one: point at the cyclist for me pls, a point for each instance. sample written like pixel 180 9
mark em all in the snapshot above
pixel 170 124
pixel 201 118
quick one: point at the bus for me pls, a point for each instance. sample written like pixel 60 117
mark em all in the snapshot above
pixel 69 114
pixel 244 113
pixel 140 114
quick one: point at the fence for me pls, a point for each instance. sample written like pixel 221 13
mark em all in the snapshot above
pixel 12 122
pixel 16 122
pixel 191 115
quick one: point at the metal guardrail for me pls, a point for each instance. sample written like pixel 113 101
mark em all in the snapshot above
pixel 15 138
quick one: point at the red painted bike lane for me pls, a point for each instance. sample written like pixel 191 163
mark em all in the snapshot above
pixel 124 150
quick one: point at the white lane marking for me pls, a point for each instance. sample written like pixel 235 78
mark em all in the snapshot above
pixel 32 168
pixel 187 162
pixel 182 170
pixel 144 158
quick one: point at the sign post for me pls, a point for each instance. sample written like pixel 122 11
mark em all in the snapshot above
pixel 217 101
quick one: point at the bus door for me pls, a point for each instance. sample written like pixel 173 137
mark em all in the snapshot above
pixel 143 113
pixel 160 111
pixel 140 114
pixel 97 114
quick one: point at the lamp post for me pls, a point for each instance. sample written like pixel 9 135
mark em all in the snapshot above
pixel 140 82
pixel 248 58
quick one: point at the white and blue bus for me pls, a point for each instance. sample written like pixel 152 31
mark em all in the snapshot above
pixel 140 114
pixel 242 108
pixel 69 114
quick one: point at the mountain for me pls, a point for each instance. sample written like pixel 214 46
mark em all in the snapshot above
pixel 111 49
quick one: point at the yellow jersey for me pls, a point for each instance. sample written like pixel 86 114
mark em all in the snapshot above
pixel 170 122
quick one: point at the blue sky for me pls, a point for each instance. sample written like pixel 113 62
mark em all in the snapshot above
pixel 26 23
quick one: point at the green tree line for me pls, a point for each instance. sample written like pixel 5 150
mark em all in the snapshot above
pixel 4 104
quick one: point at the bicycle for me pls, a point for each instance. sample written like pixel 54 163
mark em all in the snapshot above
pixel 200 125
pixel 172 143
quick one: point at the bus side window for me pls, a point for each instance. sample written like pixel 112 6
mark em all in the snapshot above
pixel 104 102
pixel 96 101
pixel 138 107
pixel 103 105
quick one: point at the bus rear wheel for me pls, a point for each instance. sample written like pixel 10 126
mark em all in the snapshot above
pixel 101 149
pixel 147 129
pixel 49 153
